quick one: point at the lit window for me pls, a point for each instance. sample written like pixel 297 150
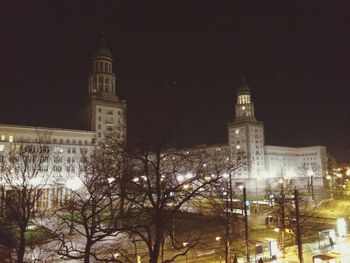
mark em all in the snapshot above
pixel 238 147
pixel 2 147
pixel 3 137
pixel 10 138
pixel 243 107
pixel 237 131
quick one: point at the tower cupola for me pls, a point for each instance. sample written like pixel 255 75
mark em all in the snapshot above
pixel 102 78
pixel 244 105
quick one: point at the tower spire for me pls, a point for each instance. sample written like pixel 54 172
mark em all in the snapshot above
pixel 102 40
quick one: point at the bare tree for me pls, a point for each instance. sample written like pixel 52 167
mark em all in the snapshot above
pixel 92 218
pixel 284 213
pixel 164 184
pixel 24 174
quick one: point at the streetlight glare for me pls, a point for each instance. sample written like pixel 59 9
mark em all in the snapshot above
pixel 74 183
pixel 310 173
pixel 189 175
pixel 341 226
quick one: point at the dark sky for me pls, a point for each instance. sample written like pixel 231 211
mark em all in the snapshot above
pixel 296 58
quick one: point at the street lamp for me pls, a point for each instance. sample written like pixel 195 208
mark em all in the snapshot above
pixel 330 179
pixel 185 244
pixel 341 226
pixel 311 174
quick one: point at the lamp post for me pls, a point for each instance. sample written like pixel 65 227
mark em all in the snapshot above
pixel 246 223
pixel 185 244
pixel 282 204
pixel 330 179
pixel 227 227
pixel 218 239
pixel 311 174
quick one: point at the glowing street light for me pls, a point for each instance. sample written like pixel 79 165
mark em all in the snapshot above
pixel 330 179
pixel 74 183
pixel 341 226
pixel 185 244
pixel 347 172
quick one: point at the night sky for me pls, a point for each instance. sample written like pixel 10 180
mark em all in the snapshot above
pixel 186 58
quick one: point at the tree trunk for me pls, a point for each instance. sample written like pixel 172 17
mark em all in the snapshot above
pixel 21 246
pixel 87 251
pixel 157 244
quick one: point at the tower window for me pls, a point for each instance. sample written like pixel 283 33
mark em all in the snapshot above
pixel 237 131
pixel 10 138
pixel 244 99
pixel 3 137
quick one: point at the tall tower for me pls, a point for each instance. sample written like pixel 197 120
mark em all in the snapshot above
pixel 104 112
pixel 246 135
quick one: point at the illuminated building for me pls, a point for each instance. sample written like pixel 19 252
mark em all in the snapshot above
pixel 102 112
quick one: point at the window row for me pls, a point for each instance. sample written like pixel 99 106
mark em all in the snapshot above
pixel 108 112
pixel 4 138
pixel 59 169
pixel 103 66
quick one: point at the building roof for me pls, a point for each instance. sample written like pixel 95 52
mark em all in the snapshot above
pixel 102 50
pixel 243 87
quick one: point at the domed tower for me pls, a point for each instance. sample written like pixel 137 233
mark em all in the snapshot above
pixel 246 137
pixel 244 105
pixel 102 78
pixel 104 111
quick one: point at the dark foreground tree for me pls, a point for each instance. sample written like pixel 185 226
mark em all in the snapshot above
pixel 24 174
pixel 284 213
pixel 91 220
pixel 162 185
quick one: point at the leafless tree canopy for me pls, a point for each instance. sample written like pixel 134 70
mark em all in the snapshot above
pixel 24 174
